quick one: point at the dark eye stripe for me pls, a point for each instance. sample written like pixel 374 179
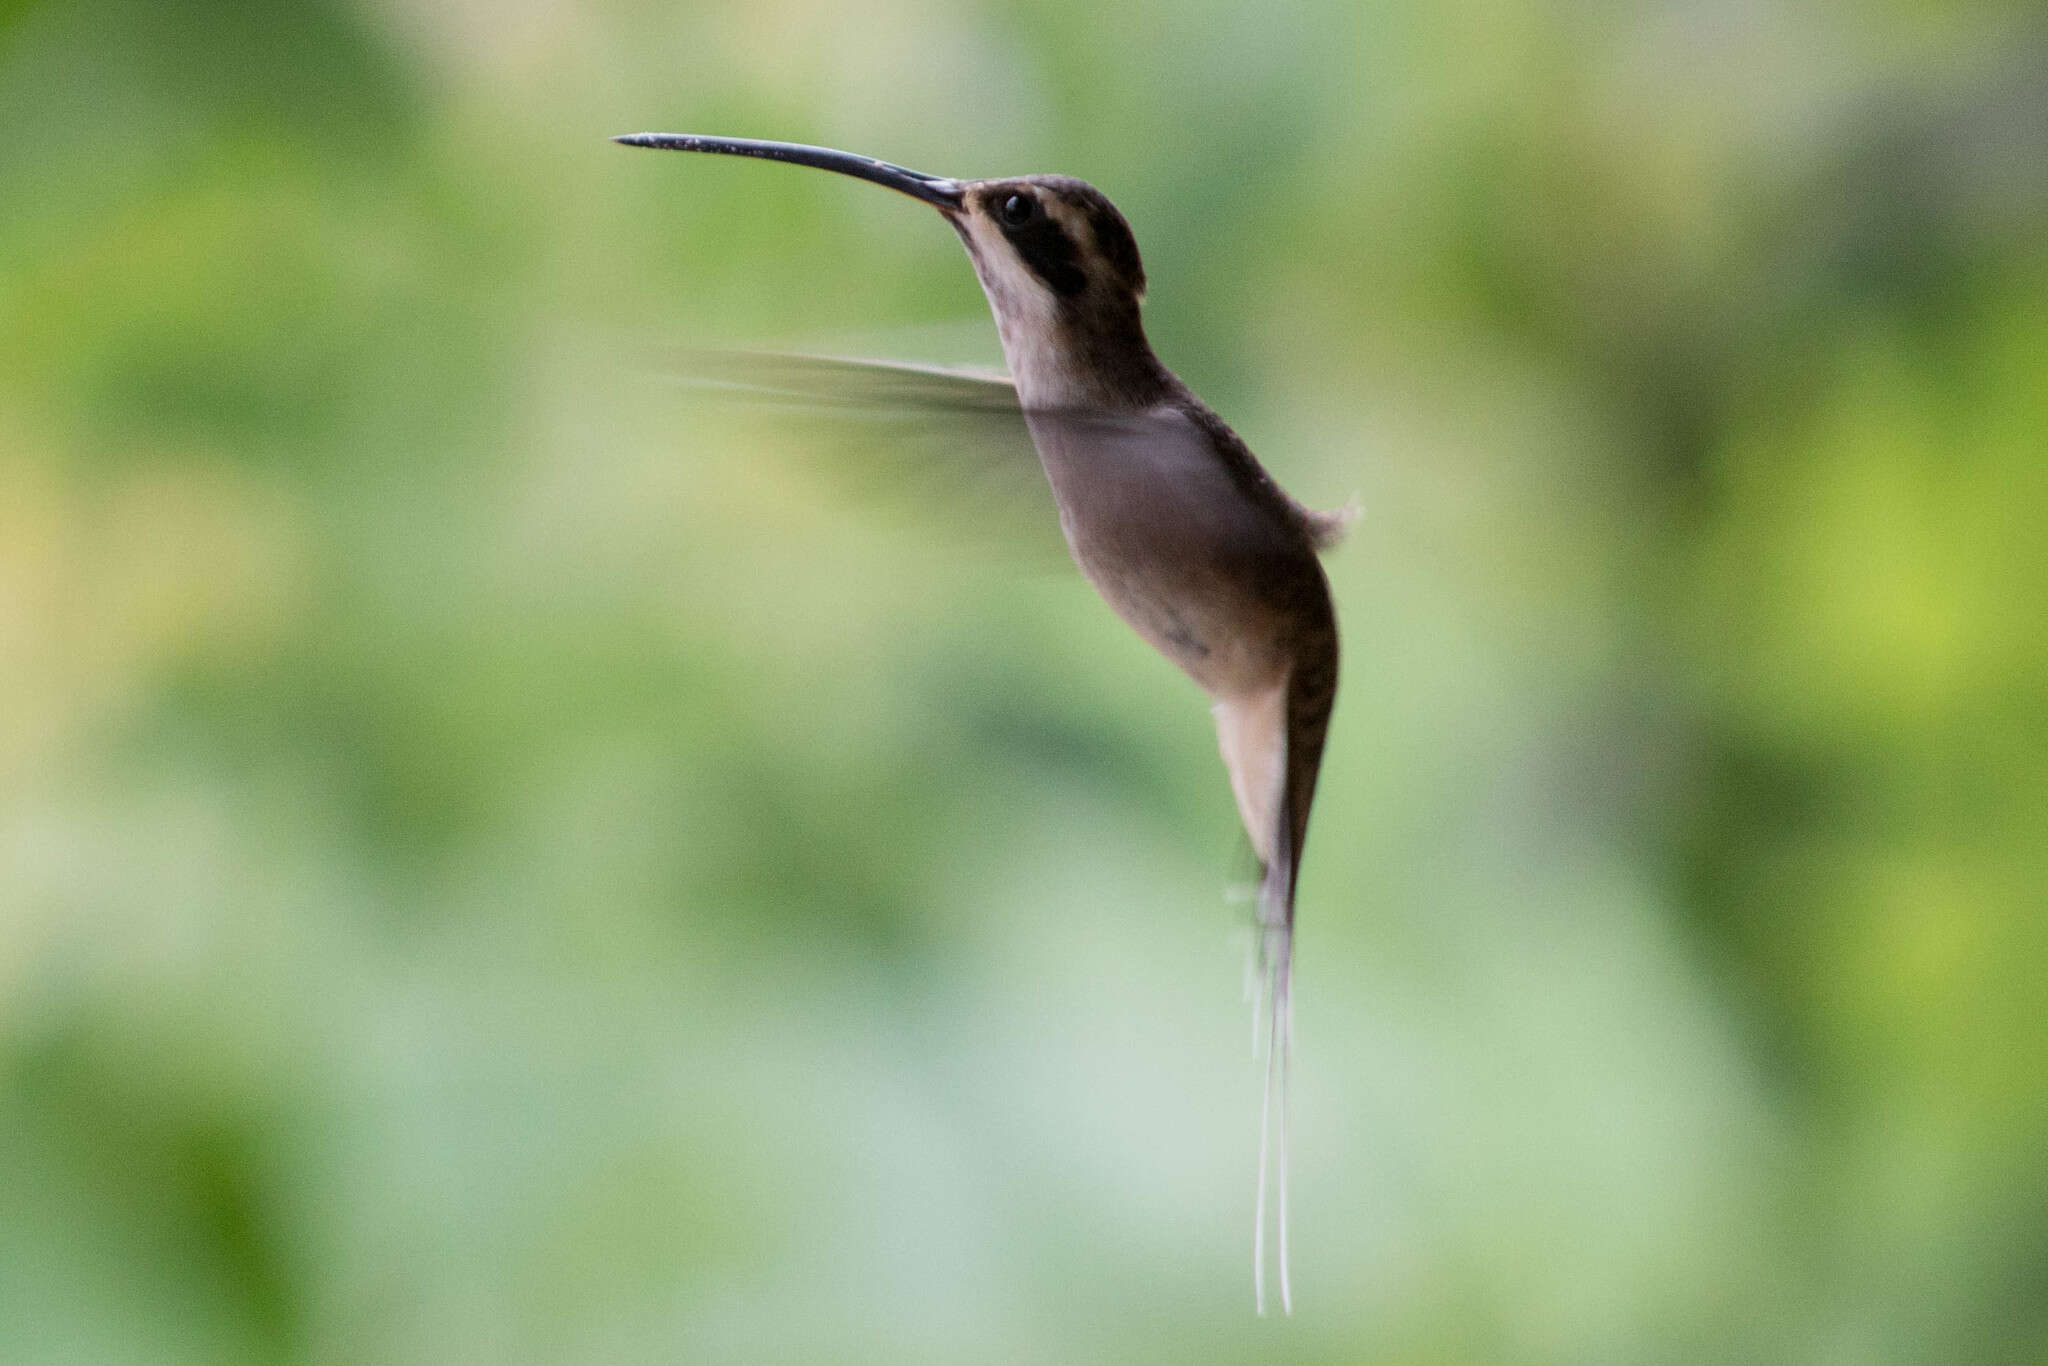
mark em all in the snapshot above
pixel 1051 254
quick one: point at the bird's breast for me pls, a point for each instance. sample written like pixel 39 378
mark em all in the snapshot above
pixel 1174 544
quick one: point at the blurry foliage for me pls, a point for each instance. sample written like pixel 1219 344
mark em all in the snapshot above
pixel 499 862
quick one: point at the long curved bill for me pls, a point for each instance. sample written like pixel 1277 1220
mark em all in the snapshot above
pixel 935 190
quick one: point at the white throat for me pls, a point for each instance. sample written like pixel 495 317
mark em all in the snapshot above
pixel 1027 320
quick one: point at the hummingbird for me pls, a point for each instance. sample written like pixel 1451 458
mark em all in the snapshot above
pixel 1165 510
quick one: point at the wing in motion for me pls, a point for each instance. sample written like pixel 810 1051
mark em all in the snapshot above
pixel 947 447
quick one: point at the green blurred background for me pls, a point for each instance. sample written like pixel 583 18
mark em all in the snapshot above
pixel 500 862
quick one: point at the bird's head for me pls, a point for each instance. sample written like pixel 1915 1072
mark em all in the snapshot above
pixel 1057 261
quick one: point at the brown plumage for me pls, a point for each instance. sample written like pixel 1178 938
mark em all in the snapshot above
pixel 1178 526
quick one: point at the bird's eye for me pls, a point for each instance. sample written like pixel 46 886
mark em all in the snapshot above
pixel 1016 210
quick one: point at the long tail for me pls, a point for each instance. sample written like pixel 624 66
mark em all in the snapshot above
pixel 1276 960
pixel 1311 691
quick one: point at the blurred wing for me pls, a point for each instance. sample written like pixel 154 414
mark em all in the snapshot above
pixel 948 445
pixel 955 444
pixel 847 383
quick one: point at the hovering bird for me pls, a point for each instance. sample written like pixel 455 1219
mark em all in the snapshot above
pixel 1166 511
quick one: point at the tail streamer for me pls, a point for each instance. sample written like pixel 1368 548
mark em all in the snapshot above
pixel 1276 951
